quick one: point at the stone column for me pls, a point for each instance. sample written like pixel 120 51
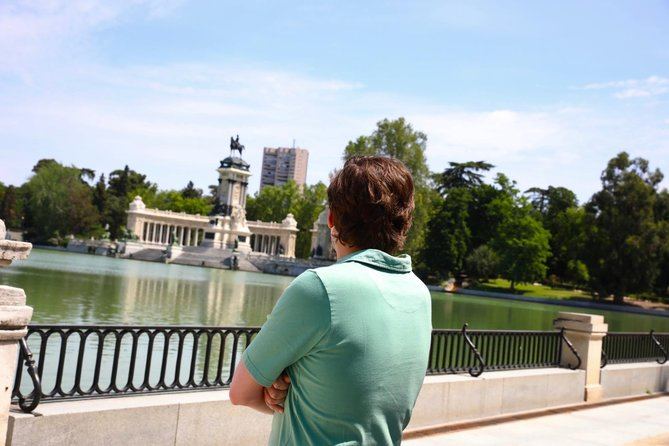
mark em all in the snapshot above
pixel 585 331
pixel 14 318
pixel 187 237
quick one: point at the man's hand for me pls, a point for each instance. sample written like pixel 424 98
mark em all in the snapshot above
pixel 275 395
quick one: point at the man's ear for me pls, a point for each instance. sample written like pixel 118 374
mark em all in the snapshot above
pixel 330 220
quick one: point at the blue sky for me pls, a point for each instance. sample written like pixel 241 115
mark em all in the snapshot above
pixel 547 91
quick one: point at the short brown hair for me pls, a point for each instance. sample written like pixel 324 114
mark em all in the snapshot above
pixel 372 202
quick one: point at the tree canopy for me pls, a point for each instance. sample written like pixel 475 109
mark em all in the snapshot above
pixel 273 203
pixel 625 236
pixel 398 139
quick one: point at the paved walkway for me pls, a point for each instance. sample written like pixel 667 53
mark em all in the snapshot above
pixel 639 423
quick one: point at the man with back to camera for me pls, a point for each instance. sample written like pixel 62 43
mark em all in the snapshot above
pixel 346 347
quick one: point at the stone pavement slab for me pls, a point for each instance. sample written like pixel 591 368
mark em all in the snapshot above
pixel 638 423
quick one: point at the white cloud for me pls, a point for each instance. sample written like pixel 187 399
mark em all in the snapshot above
pixel 633 88
pixel 34 32
pixel 489 134
pixel 173 121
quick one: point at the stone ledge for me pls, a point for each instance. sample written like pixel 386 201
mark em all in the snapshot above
pixel 207 417
pixel 640 378
pixel 123 402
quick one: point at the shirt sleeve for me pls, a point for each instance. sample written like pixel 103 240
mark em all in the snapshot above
pixel 299 320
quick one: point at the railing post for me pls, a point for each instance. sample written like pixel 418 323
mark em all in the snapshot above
pixel 585 332
pixel 14 317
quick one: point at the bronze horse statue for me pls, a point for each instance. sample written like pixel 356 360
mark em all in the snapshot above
pixel 236 146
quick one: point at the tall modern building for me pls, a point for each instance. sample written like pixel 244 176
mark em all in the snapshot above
pixel 281 164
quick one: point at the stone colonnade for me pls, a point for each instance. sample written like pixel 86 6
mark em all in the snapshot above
pixel 267 244
pixel 275 239
pixel 153 226
pixel 163 233
pixel 158 227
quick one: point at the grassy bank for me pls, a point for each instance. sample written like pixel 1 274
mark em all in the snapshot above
pixel 527 289
pixel 547 292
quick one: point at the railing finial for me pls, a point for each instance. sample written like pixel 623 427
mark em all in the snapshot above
pixel 478 356
pixel 36 395
pixel 573 350
pixel 659 345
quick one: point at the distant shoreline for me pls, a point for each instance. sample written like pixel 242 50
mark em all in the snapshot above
pixel 558 302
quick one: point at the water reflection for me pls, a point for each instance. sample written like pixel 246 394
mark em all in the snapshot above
pixel 80 289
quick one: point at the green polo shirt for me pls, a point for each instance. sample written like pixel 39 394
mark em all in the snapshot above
pixel 354 338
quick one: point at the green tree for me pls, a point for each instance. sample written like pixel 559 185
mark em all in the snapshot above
pixel 447 239
pixel 466 175
pixel 58 203
pixel 482 222
pixel 310 205
pixel 190 191
pixel 172 200
pixel 11 209
pixel 100 195
pixel 521 242
pixel 44 162
pixel 568 241
pixel 273 203
pixel 123 185
pixel 397 139
pixel 624 240
pixel 557 207
pixel 482 263
pixel 661 285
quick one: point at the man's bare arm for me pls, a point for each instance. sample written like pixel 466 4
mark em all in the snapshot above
pixel 245 391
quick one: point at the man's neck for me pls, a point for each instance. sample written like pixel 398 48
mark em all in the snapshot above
pixel 343 251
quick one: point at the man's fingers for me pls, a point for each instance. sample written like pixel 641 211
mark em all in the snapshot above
pixel 286 378
pixel 273 404
pixel 275 407
pixel 280 384
pixel 277 394
pixel 270 400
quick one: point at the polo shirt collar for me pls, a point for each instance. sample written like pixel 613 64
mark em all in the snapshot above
pixel 379 259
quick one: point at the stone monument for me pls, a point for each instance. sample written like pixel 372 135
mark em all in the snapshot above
pixel 14 319
pixel 321 244
pixel 228 226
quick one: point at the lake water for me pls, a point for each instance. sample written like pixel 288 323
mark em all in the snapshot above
pixel 68 288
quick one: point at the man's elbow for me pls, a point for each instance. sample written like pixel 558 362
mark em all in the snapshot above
pixel 236 397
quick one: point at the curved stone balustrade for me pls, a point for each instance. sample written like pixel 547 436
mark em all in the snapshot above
pixel 14 318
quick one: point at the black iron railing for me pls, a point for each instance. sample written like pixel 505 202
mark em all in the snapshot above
pixel 91 361
pixel 459 351
pixel 625 347
pixel 88 361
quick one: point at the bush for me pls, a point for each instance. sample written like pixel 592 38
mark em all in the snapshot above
pixel 577 272
pixel 482 264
